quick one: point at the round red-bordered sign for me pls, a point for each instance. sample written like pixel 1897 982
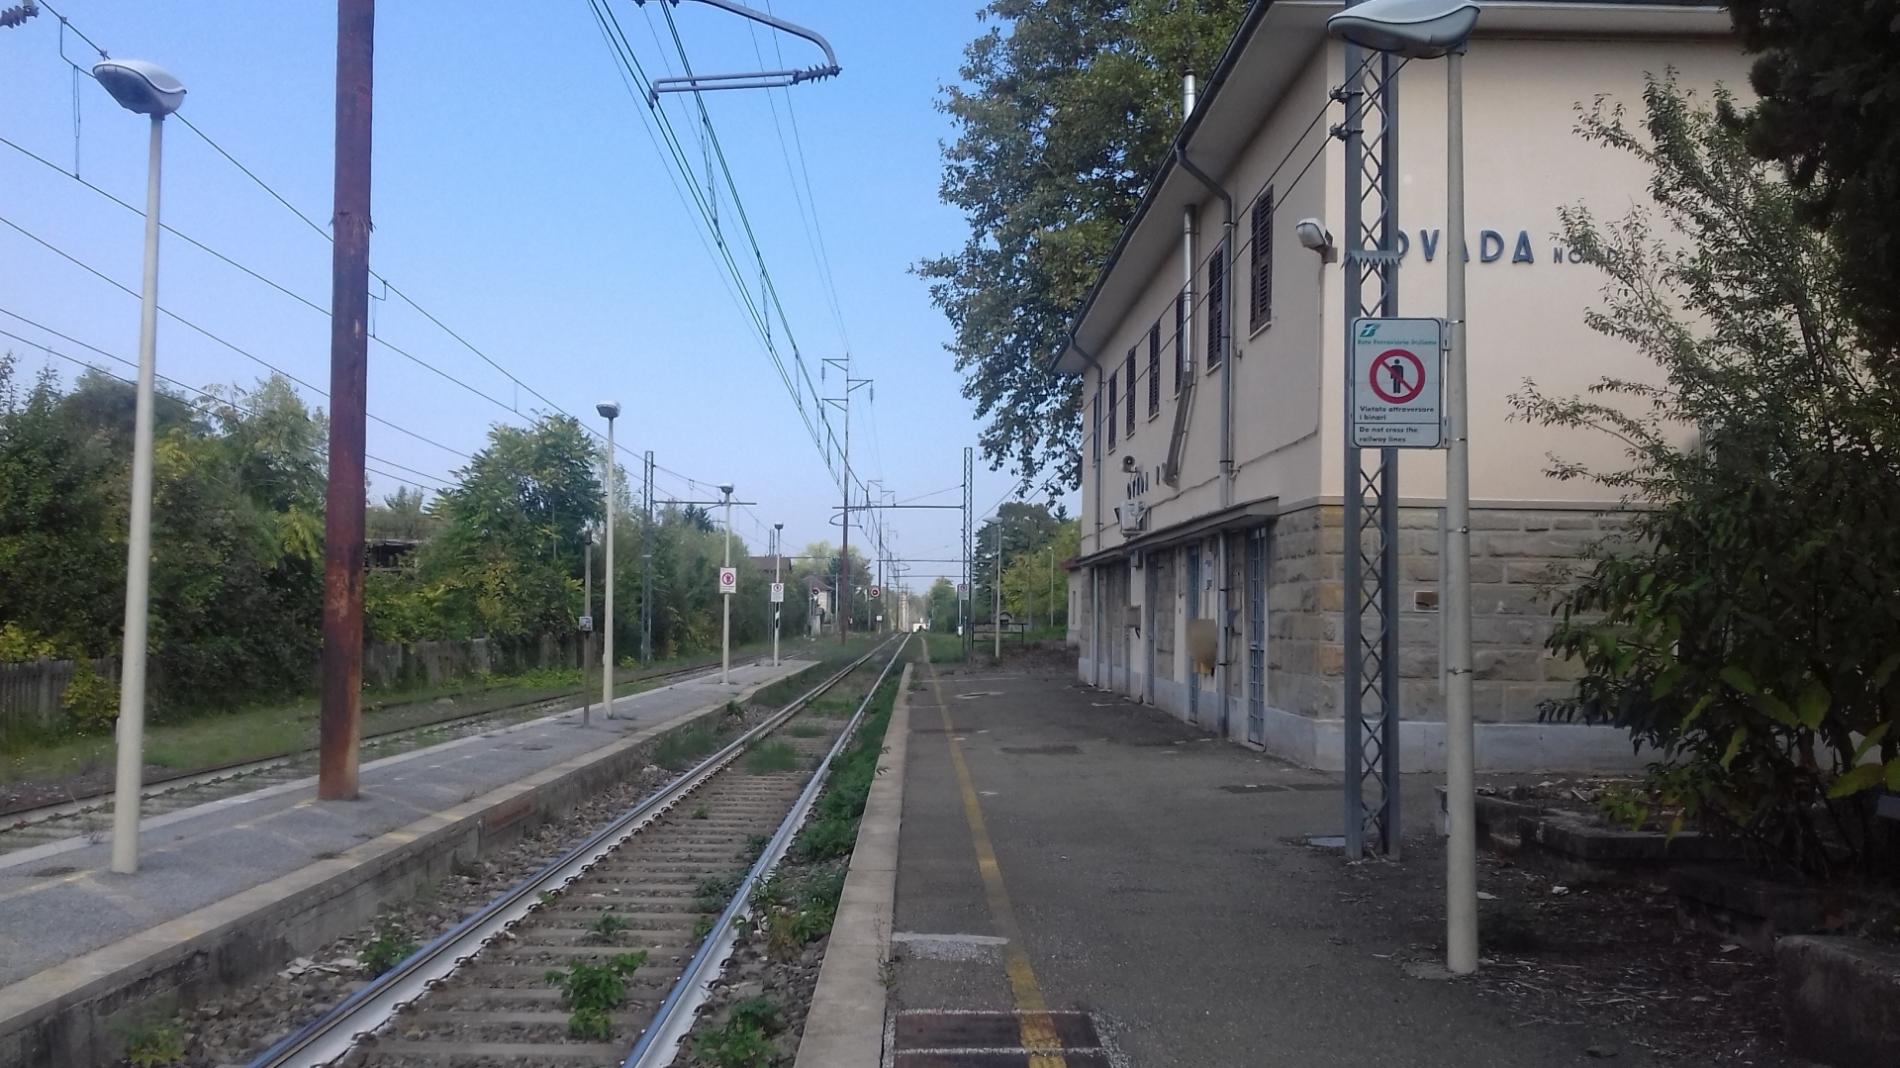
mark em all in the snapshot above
pixel 1397 376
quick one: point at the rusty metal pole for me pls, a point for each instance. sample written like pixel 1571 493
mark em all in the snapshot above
pixel 342 662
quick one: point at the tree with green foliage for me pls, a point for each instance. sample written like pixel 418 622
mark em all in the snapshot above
pixel 940 606
pixel 1828 77
pixel 1034 585
pixel 1065 110
pixel 507 558
pixel 237 521
pixel 1744 628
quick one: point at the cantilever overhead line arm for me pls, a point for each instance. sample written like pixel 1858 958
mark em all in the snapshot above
pixel 765 79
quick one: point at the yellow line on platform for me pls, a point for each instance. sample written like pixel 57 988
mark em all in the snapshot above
pixel 1039 1032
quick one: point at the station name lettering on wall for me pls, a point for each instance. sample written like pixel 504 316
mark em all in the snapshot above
pixel 1492 247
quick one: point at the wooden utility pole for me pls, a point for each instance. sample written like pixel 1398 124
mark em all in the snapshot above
pixel 342 662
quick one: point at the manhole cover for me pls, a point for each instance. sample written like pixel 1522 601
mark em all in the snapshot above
pixel 1042 750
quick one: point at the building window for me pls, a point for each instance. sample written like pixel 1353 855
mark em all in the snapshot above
pixel 1216 300
pixel 1180 340
pixel 1095 427
pixel 1131 394
pixel 1154 370
pixel 1114 408
pixel 1261 261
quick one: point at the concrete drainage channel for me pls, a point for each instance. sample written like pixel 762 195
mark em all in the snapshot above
pixel 599 952
pixel 87 817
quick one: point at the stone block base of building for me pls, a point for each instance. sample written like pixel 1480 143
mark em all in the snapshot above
pixel 1278 582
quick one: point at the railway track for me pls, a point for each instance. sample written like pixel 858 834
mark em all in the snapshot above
pixel 90 814
pixel 485 993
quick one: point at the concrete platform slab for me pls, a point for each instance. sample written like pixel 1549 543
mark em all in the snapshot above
pixel 69 928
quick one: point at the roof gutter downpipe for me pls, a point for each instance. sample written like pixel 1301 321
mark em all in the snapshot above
pixel 1095 533
pixel 1183 323
pixel 1222 614
pixel 1226 339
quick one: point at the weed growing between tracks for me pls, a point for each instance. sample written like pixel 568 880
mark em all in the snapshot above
pixel 390 946
pixel 591 992
pixel 758 1010
pixel 767 758
pixel 745 1039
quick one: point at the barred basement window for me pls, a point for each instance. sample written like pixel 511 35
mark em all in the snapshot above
pixel 1216 298
pixel 1114 409
pixel 1261 260
pixel 1154 370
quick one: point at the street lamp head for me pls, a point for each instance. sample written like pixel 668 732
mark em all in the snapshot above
pixel 146 88
pixel 726 489
pixel 778 526
pixel 608 410
pixel 1415 29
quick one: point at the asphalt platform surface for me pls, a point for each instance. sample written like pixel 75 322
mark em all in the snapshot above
pixel 1102 884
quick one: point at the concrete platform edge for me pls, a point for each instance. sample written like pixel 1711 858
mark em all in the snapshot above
pixel 65 1014
pixel 845 1026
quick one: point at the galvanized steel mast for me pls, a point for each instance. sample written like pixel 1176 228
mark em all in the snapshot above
pixel 1370 522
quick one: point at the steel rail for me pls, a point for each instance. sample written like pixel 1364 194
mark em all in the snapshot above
pixel 659 1043
pixel 329 1037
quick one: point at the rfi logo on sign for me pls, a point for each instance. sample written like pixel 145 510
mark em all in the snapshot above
pixel 1395 384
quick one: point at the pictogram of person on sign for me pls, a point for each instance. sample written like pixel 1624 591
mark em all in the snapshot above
pixel 1396 369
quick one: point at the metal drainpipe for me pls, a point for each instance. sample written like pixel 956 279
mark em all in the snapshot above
pixel 1226 342
pixel 1095 586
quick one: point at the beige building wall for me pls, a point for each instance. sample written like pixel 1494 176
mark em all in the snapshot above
pixel 1524 162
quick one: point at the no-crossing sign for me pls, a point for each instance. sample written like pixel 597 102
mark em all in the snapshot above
pixel 728 580
pixel 876 592
pixel 1395 384
pixel 963 591
pixel 778 593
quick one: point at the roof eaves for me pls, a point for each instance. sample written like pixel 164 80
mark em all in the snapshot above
pixel 1215 79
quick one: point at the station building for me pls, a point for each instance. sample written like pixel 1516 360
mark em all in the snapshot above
pixel 1209 581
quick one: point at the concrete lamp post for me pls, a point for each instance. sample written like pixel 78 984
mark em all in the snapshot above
pixel 725 602
pixel 778 554
pixel 145 89
pixel 1434 29
pixel 609 411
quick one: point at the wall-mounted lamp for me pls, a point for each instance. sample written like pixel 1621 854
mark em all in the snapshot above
pixel 1314 235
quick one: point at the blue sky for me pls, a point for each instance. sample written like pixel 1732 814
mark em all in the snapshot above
pixel 518 198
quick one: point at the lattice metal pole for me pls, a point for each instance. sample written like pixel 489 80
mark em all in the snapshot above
pixel 1370 633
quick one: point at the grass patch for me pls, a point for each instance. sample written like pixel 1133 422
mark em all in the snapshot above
pixel 682 747
pixel 769 757
pixel 833 827
pixel 188 739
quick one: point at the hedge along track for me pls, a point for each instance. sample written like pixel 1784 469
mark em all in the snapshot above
pixel 479 995
pixel 30 827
